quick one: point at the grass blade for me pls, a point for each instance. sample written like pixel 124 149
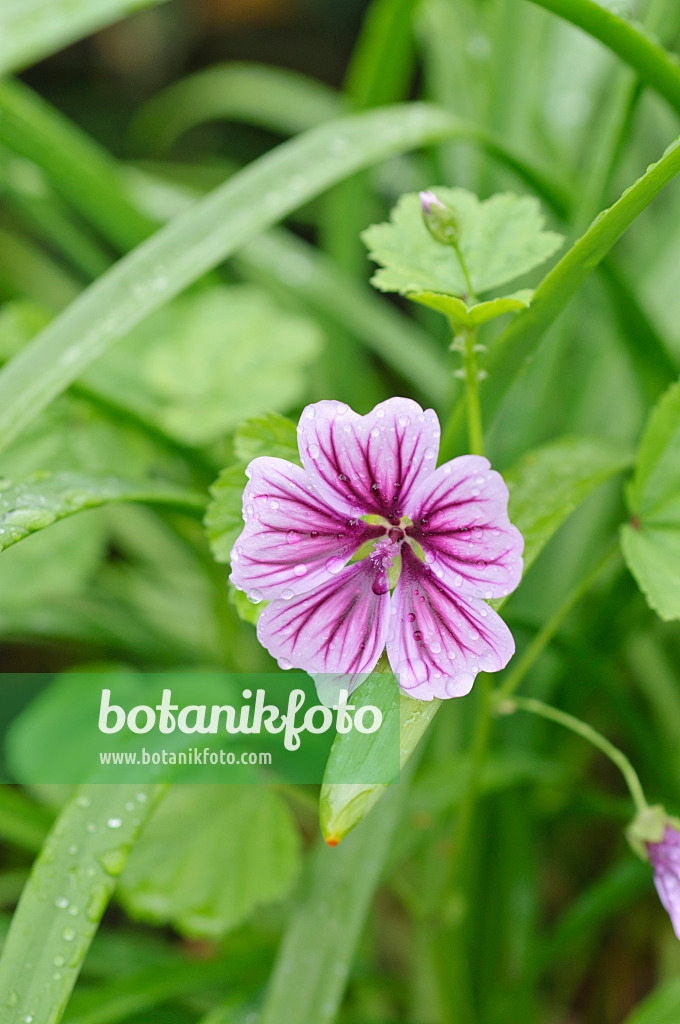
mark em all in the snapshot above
pixel 101 822
pixel 274 98
pixel 33 29
pixel 656 68
pixel 198 240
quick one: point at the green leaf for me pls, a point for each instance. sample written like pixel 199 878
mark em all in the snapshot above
pixel 209 857
pixel 548 484
pixel 500 239
pixel 274 98
pixel 651 540
pixel 661 1007
pixel 271 434
pixel 224 519
pixel 657 68
pixel 44 498
pixel 33 29
pixel 199 239
pixel 205 362
pixel 314 958
pixel 65 897
pixel 462 314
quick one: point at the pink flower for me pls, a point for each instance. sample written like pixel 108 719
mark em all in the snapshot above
pixel 665 858
pixel 369 488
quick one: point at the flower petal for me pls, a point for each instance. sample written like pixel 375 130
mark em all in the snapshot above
pixel 460 517
pixel 340 628
pixel 292 541
pixel 368 464
pixel 439 640
pixel 665 858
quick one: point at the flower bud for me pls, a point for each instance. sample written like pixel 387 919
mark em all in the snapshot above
pixel 440 220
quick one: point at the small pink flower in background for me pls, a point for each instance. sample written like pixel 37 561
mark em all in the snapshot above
pixel 369 486
pixel 665 859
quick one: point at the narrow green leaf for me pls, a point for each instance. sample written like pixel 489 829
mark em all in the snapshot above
pixel 199 239
pixel 661 1007
pixel 33 29
pixel 275 98
pixel 313 963
pixel 209 857
pixel 44 498
pixel 657 69
pixel 78 168
pixel 651 540
pixel 65 897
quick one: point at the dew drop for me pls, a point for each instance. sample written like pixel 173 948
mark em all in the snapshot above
pixel 335 564
pixel 61 902
pixel 300 569
pixel 404 421
pixel 293 537
pixel 435 647
pixel 254 596
pixel 429 453
pixel 59 961
pixel 314 451
pixel 285 664
pixel 68 934
pixel 114 823
pixel 411 617
pixel 287 594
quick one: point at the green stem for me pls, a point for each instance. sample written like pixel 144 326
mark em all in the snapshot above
pixel 474 409
pixel 538 707
pixel 548 630
pixel 67 892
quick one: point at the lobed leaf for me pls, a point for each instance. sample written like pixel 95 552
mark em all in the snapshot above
pixel 209 857
pixel 501 238
pixel 271 434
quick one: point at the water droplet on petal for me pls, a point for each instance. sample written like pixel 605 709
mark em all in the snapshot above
pixel 411 617
pixel 429 453
pixel 314 451
pixel 404 421
pixel 285 664
pixel 300 569
pixel 287 594
pixel 335 564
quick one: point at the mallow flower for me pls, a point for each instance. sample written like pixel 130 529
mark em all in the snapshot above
pixel 665 859
pixel 370 546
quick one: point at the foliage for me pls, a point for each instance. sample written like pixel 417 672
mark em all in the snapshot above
pixel 181 272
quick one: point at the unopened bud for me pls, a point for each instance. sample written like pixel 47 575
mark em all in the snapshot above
pixel 440 220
